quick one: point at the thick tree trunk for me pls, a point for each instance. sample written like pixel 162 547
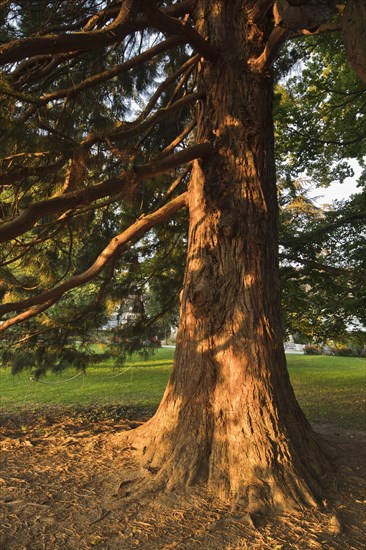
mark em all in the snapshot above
pixel 229 417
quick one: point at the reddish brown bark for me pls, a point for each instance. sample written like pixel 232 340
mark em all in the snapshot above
pixel 354 35
pixel 229 417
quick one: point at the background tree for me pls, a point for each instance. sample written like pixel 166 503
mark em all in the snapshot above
pixel 320 136
pixel 323 269
pixel 109 109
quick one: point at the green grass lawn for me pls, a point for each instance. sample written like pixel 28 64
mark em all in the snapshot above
pixel 329 389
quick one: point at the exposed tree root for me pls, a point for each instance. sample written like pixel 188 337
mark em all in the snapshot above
pixel 174 460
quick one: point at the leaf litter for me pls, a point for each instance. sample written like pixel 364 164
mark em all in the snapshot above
pixel 63 487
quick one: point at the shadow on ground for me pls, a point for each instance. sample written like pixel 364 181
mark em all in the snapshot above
pixel 62 487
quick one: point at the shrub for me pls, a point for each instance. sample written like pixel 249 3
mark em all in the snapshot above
pixel 312 350
pixel 345 352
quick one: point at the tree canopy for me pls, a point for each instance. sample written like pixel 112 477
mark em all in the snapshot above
pixel 98 130
pixel 126 121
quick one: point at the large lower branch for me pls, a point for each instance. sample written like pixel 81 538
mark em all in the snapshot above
pixel 127 22
pixel 25 315
pixel 28 47
pixel 30 215
pixel 161 166
pixel 36 304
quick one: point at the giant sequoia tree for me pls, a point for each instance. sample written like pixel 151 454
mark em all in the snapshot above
pixel 111 109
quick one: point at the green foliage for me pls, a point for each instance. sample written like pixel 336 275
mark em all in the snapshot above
pixel 49 254
pixel 323 267
pixel 320 122
pixel 319 126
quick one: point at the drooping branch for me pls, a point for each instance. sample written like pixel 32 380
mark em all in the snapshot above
pixel 39 67
pixel 126 130
pixel 326 228
pixel 29 47
pixel 49 297
pixel 187 66
pixel 318 266
pixel 103 76
pixel 30 215
pixel 41 238
pixel 111 187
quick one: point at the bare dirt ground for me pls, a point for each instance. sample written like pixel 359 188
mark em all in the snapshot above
pixel 61 487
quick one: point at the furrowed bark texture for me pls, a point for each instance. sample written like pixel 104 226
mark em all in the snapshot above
pixel 229 417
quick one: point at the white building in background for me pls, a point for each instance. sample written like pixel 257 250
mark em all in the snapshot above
pixel 291 347
pixel 127 312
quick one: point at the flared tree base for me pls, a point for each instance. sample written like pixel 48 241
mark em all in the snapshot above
pixel 265 468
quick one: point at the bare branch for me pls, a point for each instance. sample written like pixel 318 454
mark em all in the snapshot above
pixel 179 9
pixel 185 132
pixel 26 154
pixel 293 19
pixel 260 8
pixel 171 42
pixel 176 183
pixel 309 14
pixel 277 38
pixel 333 26
pixel 168 24
pixel 49 297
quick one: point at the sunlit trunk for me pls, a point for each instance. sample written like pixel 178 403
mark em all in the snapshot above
pixel 229 417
